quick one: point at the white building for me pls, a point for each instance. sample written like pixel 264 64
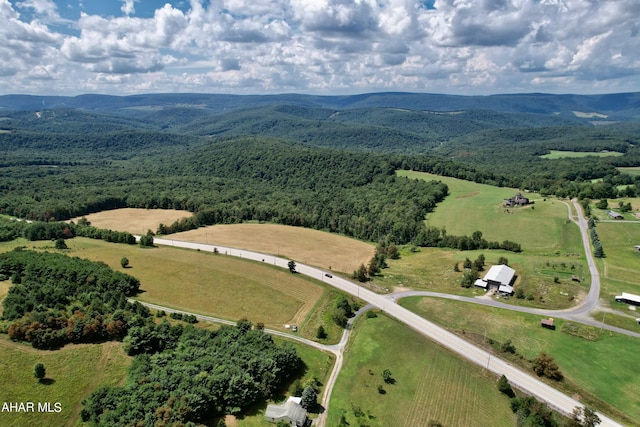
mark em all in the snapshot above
pixel 291 412
pixel 500 277
pixel 628 298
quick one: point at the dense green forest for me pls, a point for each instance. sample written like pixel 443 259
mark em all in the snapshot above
pixel 321 162
pixel 196 376
pixel 55 299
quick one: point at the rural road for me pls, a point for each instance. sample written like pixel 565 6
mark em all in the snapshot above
pixel 518 378
pixel 336 349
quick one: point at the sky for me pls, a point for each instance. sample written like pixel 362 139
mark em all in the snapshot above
pixel 326 47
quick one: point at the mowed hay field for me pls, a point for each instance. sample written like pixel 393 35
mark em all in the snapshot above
pixel 313 247
pixel 471 206
pixel 134 220
pixel 72 373
pixel 599 364
pixel 209 284
pixel 318 248
pixel 430 383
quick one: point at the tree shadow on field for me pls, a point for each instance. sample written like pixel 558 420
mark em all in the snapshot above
pixel 47 381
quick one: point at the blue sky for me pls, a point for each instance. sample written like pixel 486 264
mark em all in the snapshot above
pixel 319 46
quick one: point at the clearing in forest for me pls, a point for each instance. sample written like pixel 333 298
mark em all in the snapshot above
pixel 134 220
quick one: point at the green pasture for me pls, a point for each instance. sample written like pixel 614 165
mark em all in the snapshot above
pixel 614 204
pixel 633 171
pixel 72 374
pixel 585 356
pixel 432 269
pixel 556 154
pixel 621 266
pixel 540 227
pixel 430 383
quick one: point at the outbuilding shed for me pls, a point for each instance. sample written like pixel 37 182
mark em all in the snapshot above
pixel 628 298
pixel 500 275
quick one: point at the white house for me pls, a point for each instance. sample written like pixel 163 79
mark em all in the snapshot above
pixel 291 412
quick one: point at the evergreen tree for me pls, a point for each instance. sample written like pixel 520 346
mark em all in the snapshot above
pixel 309 398
pixel 39 371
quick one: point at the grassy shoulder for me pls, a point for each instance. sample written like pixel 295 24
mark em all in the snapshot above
pixel 72 373
pixel 428 382
pixel 576 348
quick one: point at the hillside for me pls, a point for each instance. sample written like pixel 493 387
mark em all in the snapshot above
pixel 623 106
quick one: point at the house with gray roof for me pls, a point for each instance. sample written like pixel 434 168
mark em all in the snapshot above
pixel 291 412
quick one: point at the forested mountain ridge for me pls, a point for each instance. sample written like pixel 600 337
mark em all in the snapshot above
pixel 624 105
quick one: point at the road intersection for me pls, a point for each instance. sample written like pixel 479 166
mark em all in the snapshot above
pixel 387 303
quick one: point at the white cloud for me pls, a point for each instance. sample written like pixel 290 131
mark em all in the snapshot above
pixel 128 7
pixel 457 46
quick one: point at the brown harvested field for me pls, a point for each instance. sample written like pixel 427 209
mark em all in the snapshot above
pixel 133 220
pixel 304 245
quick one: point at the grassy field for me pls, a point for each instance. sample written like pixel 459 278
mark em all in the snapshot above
pixel 204 283
pixel 552 246
pixel 133 220
pixel 72 374
pixel 633 171
pixel 555 154
pixel 620 268
pixel 470 206
pixel 209 284
pixel 584 356
pixel 438 386
pixel 432 269
pixel 305 245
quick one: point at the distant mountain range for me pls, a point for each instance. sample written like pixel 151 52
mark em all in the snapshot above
pixel 608 107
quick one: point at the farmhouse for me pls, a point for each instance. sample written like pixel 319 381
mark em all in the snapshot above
pixel 615 215
pixel 500 277
pixel 516 200
pixel 628 298
pixel 290 412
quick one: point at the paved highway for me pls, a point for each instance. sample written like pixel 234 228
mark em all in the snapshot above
pixel 516 377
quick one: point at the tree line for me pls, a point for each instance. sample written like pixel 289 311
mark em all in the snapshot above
pixel 55 299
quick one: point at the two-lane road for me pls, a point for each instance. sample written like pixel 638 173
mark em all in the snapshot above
pixel 517 377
